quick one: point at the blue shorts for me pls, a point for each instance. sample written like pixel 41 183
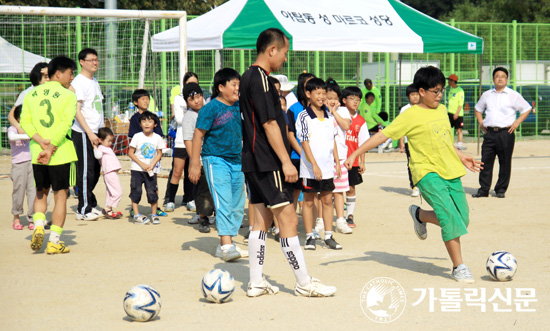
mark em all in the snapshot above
pixel 448 200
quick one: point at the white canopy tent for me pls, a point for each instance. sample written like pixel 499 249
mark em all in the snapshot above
pixel 16 60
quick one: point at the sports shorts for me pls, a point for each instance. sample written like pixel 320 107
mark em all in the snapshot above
pixel 58 177
pixel 269 188
pixel 137 180
pixel 354 177
pixel 180 153
pixel 458 123
pixel 317 186
pixel 341 184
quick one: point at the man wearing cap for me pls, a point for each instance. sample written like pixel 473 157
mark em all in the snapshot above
pixel 455 107
pixel 376 105
pixel 500 105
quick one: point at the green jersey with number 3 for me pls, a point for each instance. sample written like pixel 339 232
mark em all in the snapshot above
pixel 49 110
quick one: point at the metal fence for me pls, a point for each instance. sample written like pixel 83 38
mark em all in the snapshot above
pixel 523 48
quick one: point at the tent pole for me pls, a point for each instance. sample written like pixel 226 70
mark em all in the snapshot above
pixel 478 97
pixel 399 88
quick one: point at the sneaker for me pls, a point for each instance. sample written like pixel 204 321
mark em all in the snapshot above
pixel 314 289
pixel 246 236
pixel 342 226
pixel 37 238
pixel 462 274
pixel 332 244
pixel 195 220
pixel 57 249
pixel 243 252
pixel 204 226
pixel 310 244
pixel 191 206
pixel 132 213
pixel 415 192
pixel 219 252
pixel 277 237
pixel 47 225
pixel 170 206
pixel 350 221
pixel 87 217
pixel 161 213
pixel 255 290
pixel 419 227
pixel 141 219
pixel 461 148
pixel 230 253
pixel 96 210
pixel 155 219
pixel 319 226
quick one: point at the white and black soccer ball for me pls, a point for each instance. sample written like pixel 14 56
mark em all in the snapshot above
pixel 142 303
pixel 502 266
pixel 218 286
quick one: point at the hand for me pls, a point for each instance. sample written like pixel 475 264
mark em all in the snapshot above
pixel 348 163
pixel 317 173
pixel 290 172
pixel 470 163
pixel 455 116
pixel 194 173
pixel 338 171
pixel 401 147
pixel 44 156
pixel 513 127
pixel 93 138
pixel 334 107
pixel 361 168
pixel 44 143
pixel 20 130
pixel 483 128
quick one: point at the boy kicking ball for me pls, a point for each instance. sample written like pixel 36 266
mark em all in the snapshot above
pixel 435 166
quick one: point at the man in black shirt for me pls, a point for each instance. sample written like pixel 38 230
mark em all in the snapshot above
pixel 268 169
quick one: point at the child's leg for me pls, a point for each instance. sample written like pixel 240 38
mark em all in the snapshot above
pixel 173 184
pixel 307 211
pixel 113 190
pixel 327 209
pixel 40 206
pixel 339 204
pixel 350 200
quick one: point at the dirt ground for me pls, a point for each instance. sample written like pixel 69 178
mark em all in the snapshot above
pixel 84 290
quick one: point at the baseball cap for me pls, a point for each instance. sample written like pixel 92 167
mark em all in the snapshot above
pixel 453 77
pixel 285 84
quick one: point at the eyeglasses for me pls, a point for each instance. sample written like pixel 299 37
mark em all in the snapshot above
pixel 92 60
pixel 438 92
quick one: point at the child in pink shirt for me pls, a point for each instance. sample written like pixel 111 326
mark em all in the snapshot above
pixel 110 165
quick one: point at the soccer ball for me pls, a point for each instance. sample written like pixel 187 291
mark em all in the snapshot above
pixel 502 266
pixel 142 303
pixel 218 286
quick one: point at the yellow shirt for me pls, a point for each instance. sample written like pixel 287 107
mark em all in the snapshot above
pixel 49 110
pixel 430 142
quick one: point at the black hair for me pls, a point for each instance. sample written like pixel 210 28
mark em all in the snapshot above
pixel 369 94
pixel 504 70
pixel 139 93
pixel 315 83
pixel 103 133
pixel 147 115
pixel 222 77
pixel 269 37
pixel 274 80
pixel 60 63
pixel 367 81
pixel 333 86
pixel 411 89
pixel 83 53
pixel 428 77
pixel 17 112
pixel 351 91
pixel 188 75
pixel 36 73
pixel 301 88
pixel 190 90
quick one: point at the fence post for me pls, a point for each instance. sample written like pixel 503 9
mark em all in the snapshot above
pixel 316 64
pixel 387 87
pixel 241 60
pixel 164 84
pixel 452 55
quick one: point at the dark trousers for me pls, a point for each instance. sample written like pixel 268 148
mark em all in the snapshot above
pixel 496 143
pixel 87 172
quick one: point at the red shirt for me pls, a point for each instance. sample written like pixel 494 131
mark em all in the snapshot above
pixel 356 135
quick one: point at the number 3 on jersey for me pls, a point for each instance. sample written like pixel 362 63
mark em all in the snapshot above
pixel 50 121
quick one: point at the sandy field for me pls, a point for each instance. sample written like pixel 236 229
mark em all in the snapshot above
pixel 84 290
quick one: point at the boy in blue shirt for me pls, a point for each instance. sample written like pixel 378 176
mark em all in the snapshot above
pixel 219 125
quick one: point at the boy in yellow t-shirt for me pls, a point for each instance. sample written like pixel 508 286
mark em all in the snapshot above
pixel 435 166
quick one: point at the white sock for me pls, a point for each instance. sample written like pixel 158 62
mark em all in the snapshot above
pixel 459 144
pixel 309 235
pixel 256 254
pixel 54 237
pixel 350 200
pixel 276 230
pixel 39 223
pixel 328 234
pixel 250 228
pixel 295 257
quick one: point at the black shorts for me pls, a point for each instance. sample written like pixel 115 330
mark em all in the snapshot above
pixel 458 123
pixel 269 188
pixel 317 186
pixel 57 177
pixel 298 184
pixel 137 179
pixel 354 177
pixel 180 153
pixel 203 199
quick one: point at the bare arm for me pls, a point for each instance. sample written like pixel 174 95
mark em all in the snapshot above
pixel 469 161
pixel 294 143
pixel 133 157
pixel 14 122
pixel 275 139
pixel 344 123
pixel 479 118
pixel 518 121
pixel 80 119
pixel 337 161
pixel 195 163
pixel 372 142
